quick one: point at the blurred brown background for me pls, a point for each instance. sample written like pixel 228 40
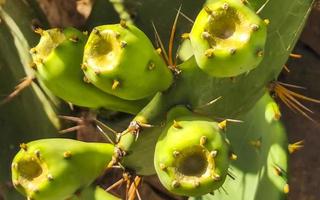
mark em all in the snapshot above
pixel 305 164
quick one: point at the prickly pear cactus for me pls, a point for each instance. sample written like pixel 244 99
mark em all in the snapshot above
pixel 182 102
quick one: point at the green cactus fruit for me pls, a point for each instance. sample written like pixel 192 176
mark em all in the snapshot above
pixel 120 60
pixel 228 38
pixel 58 58
pixel 54 169
pixel 192 154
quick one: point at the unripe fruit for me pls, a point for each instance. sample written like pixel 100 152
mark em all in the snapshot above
pixel 192 154
pixel 121 61
pixel 52 169
pixel 58 58
pixel 228 38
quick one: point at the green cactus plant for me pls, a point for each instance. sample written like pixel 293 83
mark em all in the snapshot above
pixel 175 102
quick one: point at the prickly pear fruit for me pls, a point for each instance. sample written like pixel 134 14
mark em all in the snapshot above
pixel 120 60
pixel 228 38
pixel 58 58
pixel 54 169
pixel 192 154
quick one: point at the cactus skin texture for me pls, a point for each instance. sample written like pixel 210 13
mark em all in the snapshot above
pixel 54 169
pixel 260 143
pixel 94 193
pixel 58 58
pixel 120 60
pixel 192 154
pixel 228 38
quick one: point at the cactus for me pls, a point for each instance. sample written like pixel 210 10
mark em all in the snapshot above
pixel 57 168
pixel 192 154
pixel 176 131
